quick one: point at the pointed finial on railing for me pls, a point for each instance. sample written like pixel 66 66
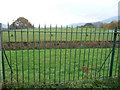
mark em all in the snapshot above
pixel 8 25
pixel 0 26
pixel 45 27
pixel 39 26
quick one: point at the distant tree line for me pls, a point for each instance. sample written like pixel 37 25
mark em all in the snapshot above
pixel 112 24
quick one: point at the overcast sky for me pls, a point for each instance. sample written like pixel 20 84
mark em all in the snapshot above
pixel 57 11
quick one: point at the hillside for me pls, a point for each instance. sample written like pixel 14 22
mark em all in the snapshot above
pixel 97 24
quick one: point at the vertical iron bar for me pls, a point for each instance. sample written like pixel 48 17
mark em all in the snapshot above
pixel 116 63
pixel 70 53
pixel 44 53
pixel 39 55
pixel 118 42
pixel 93 53
pixel 33 55
pixel 80 53
pixel 119 54
pixel 22 56
pixel 55 54
pixel 116 55
pixel 117 58
pixel 101 54
pixel 89 47
pixel 107 48
pixel 84 53
pixel 110 50
pixel 65 54
pixel 2 57
pixel 113 52
pixel 76 29
pixel 1 75
pixel 50 56
pixel 97 53
pixel 28 56
pixel 10 50
pixel 16 56
pixel 104 39
pixel 60 55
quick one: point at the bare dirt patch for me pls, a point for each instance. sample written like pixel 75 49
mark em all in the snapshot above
pixel 57 45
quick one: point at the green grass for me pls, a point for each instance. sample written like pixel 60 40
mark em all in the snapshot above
pixel 108 83
pixel 58 36
pixel 52 67
pixel 58 65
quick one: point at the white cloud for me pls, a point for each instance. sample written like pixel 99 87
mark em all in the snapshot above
pixel 56 11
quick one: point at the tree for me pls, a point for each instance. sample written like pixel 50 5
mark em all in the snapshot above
pixel 119 24
pixel 109 25
pixel 89 25
pixel 102 25
pixel 21 23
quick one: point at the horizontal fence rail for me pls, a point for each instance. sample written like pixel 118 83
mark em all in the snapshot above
pixel 54 55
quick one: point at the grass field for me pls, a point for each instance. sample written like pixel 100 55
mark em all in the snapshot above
pixel 58 65
pixel 53 34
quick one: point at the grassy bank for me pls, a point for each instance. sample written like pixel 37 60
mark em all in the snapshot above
pixel 109 83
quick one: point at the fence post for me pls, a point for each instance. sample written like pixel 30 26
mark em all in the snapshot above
pixel 0 58
pixel 113 52
pixel 2 68
pixel 119 56
pixel 119 41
